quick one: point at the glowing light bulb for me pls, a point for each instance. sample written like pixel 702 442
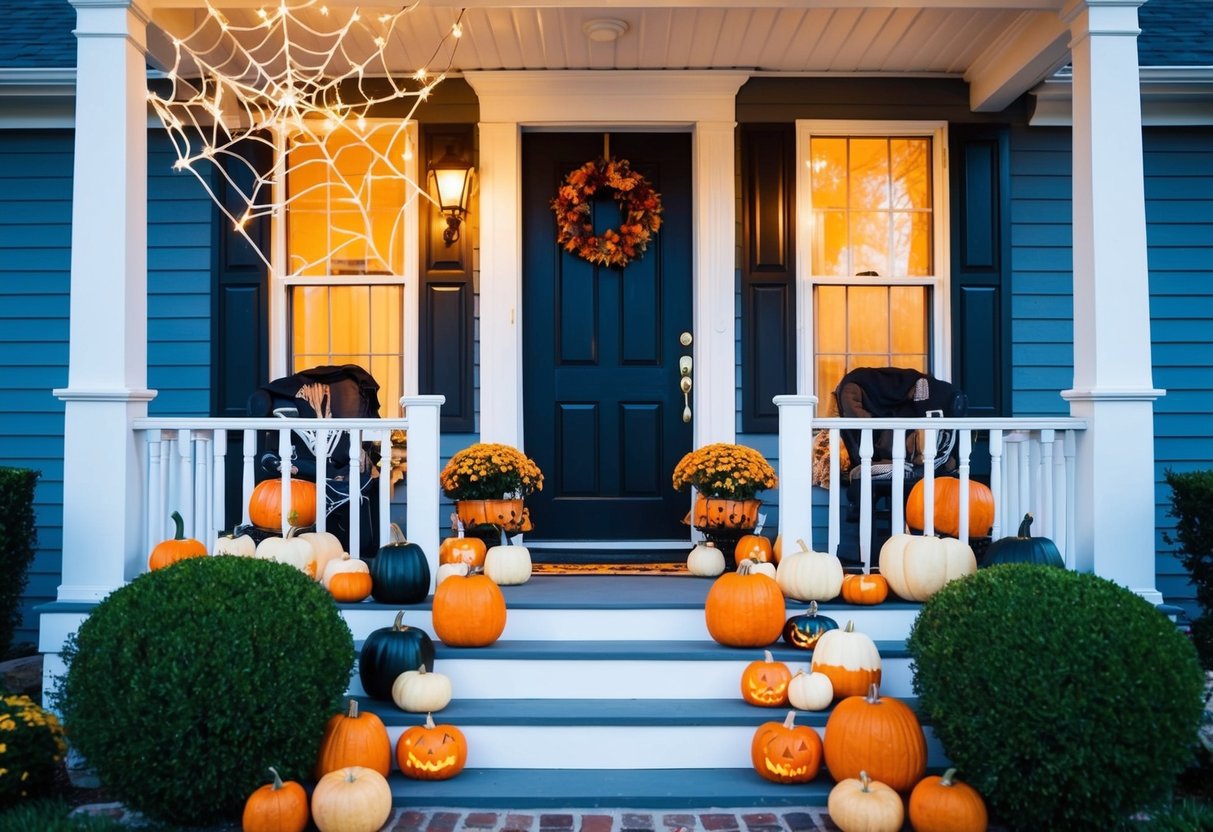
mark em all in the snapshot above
pixel 457 29
pixel 361 123
pixel 379 41
pixel 180 164
pixel 261 13
pixel 420 74
pixel 384 18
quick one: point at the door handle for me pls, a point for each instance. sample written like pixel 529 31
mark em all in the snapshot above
pixel 685 385
pixel 684 366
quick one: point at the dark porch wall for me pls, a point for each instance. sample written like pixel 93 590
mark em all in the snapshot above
pixel 35 273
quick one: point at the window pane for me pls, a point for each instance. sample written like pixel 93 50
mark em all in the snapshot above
pixel 868 319
pixel 830 243
pixel 869 171
pixel 909 316
pixel 828 169
pixel 911 173
pixel 870 243
pixel 911 245
pixel 830 319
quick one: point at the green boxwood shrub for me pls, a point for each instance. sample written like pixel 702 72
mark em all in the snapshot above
pixel 186 684
pixel 1192 508
pixel 1066 700
pixel 18 535
pixel 31 748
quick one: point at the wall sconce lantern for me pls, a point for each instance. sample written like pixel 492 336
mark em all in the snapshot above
pixel 452 178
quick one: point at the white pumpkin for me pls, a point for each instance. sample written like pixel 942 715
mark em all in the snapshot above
pixel 421 691
pixel 917 566
pixel 758 567
pixel 229 544
pixel 448 570
pixel 809 576
pixel 810 691
pixel 706 561
pixel 508 565
pixel 326 548
pixel 290 549
pixel 345 563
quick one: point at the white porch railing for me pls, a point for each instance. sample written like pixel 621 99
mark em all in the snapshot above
pixel 186 463
pixel 1031 464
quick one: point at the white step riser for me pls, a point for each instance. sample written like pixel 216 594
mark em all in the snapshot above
pixel 619 747
pixel 625 625
pixel 545 679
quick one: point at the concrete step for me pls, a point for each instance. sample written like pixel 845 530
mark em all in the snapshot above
pixel 652 734
pixel 624 669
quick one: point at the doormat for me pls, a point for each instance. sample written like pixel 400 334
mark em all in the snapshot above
pixel 679 568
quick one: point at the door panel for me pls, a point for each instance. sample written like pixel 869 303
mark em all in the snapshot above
pixel 603 410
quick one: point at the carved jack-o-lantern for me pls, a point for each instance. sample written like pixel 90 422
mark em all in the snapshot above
pixel 432 752
pixel 765 682
pixel 784 752
pixel 806 629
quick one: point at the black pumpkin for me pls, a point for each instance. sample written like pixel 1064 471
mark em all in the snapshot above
pixel 805 629
pixel 390 651
pixel 1023 548
pixel 400 573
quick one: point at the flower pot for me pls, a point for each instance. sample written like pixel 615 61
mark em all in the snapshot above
pixel 711 513
pixel 508 514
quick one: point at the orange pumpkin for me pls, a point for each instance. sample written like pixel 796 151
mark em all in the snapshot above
pixel 744 609
pixel 276 807
pixel 944 804
pixel 754 547
pixel 354 739
pixel 265 504
pixel 175 548
pixel 469 550
pixel 849 658
pixel 347 579
pixel 784 752
pixel 468 610
pixel 865 589
pixel 879 735
pixel 432 752
pixel 947 507
pixel 765 682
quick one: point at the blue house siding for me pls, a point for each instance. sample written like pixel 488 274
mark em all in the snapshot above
pixel 35 257
pixel 1179 229
pixel 35 276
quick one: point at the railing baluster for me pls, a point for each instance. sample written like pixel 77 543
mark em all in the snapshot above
pixel 355 489
pixel 155 493
pixel 1025 478
pixel 897 486
pixel 247 478
pixel 284 472
pixel 1046 482
pixel 835 523
pixel 1069 552
pixel 185 479
pixel 322 478
pixel 202 490
pixel 384 493
pixel 928 500
pixel 865 500
pixel 996 483
pixel 966 449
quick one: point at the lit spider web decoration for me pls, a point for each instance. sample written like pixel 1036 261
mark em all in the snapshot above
pixel 280 78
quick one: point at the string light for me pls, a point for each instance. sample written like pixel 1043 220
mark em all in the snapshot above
pixel 280 77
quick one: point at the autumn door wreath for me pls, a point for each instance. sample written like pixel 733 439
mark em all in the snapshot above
pixel 639 210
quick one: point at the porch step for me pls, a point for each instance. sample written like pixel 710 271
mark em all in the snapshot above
pixel 540 788
pixel 690 670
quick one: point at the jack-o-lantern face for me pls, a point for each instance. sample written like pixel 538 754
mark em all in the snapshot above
pixel 432 752
pixel 765 682
pixel 805 630
pixel 786 752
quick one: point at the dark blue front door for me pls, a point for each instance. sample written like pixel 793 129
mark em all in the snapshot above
pixel 603 409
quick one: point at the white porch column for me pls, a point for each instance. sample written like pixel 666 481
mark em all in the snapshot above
pixel 715 282
pixel 1113 388
pixel 500 283
pixel 107 371
pixel 421 513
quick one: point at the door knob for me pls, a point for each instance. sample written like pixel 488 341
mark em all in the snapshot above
pixel 685 385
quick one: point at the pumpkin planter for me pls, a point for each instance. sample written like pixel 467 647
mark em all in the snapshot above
pixel 354 739
pixel 388 652
pixel 1023 548
pixel 765 682
pixel 468 611
pixel 865 805
pixel 784 752
pixel 944 804
pixel 431 752
pixel 849 658
pixel 805 630
pixel 265 504
pixel 947 507
pixel 354 799
pixel 744 609
pixel 276 807
pixel 400 573
pixel 178 547
pixel 916 566
pixel 879 735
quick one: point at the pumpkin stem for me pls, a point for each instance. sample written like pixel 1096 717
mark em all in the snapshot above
pixel 421 669
pixel 790 720
pixel 865 780
pixel 177 519
pixel 850 628
pixel 1025 527
pixel 800 542
pixel 950 774
pixel 352 713
pixel 767 657
pixel 396 625
pixel 812 608
pixel 429 722
pixel 397 536
pixel 873 697
pixel 278 784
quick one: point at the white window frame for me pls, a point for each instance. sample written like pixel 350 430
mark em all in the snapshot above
pixel 940 282
pixel 281 281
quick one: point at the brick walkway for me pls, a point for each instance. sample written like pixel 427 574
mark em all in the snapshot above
pixel 606 820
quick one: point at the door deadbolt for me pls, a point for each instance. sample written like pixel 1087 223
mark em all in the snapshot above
pixel 685 339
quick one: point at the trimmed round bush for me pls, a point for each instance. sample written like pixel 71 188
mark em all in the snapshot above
pixel 186 684
pixel 31 748
pixel 1066 700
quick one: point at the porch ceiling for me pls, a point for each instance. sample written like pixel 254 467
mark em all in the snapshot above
pixel 1002 47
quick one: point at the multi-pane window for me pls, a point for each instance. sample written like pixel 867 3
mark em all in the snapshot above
pixel 873 260
pixel 345 254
